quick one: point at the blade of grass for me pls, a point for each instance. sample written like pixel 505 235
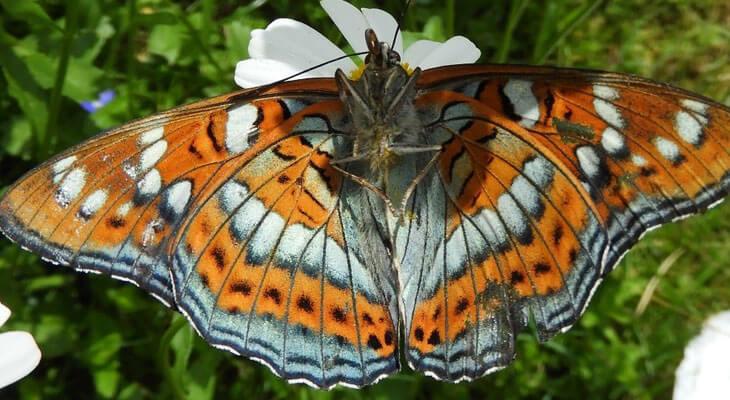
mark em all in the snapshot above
pixel 195 34
pixel 46 140
pixel 569 28
pixel 546 27
pixel 163 357
pixel 449 17
pixel 516 12
pixel 131 54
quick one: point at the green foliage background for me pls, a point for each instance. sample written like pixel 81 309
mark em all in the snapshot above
pixel 104 339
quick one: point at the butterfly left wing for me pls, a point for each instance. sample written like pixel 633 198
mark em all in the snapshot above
pixel 545 178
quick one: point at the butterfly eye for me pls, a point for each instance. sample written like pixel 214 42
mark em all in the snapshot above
pixel 373 43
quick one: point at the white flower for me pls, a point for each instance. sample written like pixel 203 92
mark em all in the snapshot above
pixel 287 47
pixel 704 373
pixel 19 354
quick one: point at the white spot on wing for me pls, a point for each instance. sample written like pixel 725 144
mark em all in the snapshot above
pixel 151 136
pixel 266 234
pixel 589 161
pixel 239 126
pixel 613 141
pixel 605 92
pixel 249 214
pixel 696 106
pixel 151 155
pixel 232 194
pixel 512 215
pixel 519 93
pixel 667 148
pixel 527 195
pixel 70 187
pixel 638 160
pixel 124 209
pixel 609 113
pixel 93 203
pixel 178 196
pixel 540 171
pixel 293 243
pixel 150 184
pixel 688 128
pixel 63 165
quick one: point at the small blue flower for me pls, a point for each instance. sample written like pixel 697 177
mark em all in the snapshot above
pixel 105 98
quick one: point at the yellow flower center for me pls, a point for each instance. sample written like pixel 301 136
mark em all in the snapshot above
pixel 357 73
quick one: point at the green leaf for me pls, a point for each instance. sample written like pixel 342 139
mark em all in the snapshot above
pixel 24 88
pixel 168 41
pixel 106 381
pixel 434 29
pixel 18 138
pixel 53 336
pixel 81 76
pixel 104 349
pixel 48 282
pixel 30 12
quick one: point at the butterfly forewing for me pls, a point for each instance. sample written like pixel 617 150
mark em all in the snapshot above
pixel 109 204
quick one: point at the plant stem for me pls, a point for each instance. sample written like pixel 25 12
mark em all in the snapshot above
pixel 163 357
pixel 577 21
pixel 131 54
pixel 515 14
pixel 46 140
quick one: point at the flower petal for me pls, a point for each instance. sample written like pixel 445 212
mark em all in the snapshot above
pixel 704 373
pixel 4 314
pixel 257 72
pixel 293 43
pixel 457 50
pixel 19 355
pixel 418 51
pixel 106 96
pixel 384 26
pixel 350 21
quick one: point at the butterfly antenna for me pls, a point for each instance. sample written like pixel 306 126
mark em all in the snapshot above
pixel 401 18
pixel 270 85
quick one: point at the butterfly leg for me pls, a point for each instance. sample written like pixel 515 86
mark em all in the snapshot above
pixel 412 186
pixel 366 184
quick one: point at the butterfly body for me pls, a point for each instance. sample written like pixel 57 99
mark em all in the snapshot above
pixel 310 224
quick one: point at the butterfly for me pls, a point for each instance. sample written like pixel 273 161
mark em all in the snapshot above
pixel 324 226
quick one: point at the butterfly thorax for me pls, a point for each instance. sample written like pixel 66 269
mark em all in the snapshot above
pixel 380 104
